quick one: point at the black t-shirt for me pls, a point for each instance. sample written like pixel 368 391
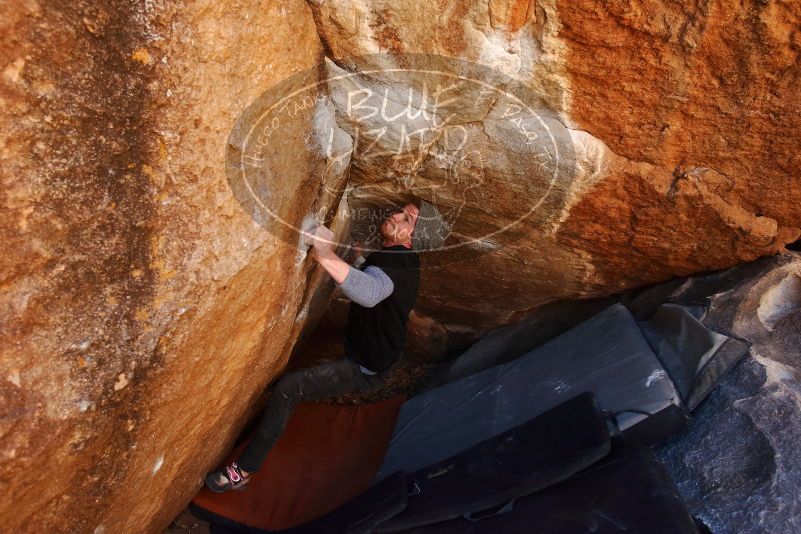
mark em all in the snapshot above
pixel 374 336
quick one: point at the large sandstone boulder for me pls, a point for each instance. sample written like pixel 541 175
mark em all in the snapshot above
pixel 154 281
pixel 143 310
pixel 679 121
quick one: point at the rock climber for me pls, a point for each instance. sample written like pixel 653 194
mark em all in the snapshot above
pixel 383 292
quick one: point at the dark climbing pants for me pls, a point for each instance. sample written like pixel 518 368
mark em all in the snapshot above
pixel 304 385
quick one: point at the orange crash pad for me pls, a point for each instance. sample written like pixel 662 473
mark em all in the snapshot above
pixel 327 455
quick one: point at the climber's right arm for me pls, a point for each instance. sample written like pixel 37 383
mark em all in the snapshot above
pixel 367 288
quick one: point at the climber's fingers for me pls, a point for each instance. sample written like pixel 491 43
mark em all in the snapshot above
pixel 320 237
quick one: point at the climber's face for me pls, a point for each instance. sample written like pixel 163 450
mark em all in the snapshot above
pixel 398 227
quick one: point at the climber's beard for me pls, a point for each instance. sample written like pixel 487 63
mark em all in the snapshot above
pixel 392 234
pixel 388 230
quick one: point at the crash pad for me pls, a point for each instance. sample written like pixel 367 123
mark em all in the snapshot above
pixel 327 454
pixel 629 491
pixel 606 355
pixel 364 513
pixel 539 453
pixel 694 357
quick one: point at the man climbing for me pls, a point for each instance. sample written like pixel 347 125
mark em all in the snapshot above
pixel 383 293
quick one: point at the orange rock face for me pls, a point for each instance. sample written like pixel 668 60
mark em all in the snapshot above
pixel 143 310
pixel 703 103
pixel 148 297
pixel 681 123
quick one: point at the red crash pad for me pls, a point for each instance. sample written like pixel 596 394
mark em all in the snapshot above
pixel 327 455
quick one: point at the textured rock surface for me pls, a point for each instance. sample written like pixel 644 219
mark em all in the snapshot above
pixel 682 122
pixel 143 310
pixel 737 465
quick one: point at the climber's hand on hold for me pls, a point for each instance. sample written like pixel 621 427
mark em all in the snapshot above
pixel 321 240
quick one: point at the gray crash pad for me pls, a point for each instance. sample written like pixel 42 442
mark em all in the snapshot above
pixel 607 355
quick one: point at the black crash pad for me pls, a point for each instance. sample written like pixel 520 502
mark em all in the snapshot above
pixel 542 452
pixel 607 355
pixel 629 491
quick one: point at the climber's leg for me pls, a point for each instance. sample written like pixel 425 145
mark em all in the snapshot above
pixel 304 385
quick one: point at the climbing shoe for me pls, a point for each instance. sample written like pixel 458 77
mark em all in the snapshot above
pixel 228 478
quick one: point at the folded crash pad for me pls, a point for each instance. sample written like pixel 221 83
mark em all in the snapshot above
pixel 694 357
pixel 327 454
pixel 606 355
pixel 537 454
pixel 629 491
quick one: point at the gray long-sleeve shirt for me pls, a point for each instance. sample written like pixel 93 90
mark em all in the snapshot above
pixel 368 287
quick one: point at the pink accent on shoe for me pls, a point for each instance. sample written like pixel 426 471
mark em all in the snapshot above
pixel 233 475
